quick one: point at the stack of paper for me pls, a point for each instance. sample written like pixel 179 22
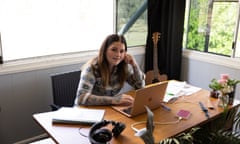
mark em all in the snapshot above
pixel 76 115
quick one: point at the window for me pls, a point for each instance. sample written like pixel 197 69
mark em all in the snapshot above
pixel 212 26
pixel 132 18
pixel 33 28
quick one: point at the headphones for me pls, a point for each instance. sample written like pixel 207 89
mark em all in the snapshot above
pixel 99 135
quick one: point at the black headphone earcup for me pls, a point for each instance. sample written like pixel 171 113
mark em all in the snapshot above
pixel 102 135
pixel 118 128
pixel 99 135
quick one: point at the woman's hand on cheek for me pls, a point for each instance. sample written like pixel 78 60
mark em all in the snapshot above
pixel 129 59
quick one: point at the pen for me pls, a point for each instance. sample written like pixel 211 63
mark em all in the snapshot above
pixel 165 107
pixel 204 109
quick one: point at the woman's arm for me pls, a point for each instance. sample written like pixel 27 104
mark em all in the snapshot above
pixel 90 99
pixel 122 99
pixel 136 78
pixel 85 94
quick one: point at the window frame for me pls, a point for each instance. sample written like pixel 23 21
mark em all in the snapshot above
pixel 208 27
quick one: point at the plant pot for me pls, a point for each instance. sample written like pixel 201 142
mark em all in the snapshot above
pixel 214 94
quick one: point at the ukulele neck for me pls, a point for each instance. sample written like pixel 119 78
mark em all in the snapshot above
pixel 156 36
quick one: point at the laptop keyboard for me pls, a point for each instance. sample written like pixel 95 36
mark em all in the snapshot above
pixel 128 110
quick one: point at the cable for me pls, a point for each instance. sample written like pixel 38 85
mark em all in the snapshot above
pixel 81 133
pixel 156 123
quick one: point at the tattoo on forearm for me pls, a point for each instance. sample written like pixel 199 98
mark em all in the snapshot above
pixel 98 100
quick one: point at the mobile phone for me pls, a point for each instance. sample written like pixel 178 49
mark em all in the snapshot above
pixel 185 114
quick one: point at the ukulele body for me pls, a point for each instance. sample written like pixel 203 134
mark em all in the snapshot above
pixel 151 78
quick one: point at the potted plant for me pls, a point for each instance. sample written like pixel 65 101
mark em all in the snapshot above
pixel 224 87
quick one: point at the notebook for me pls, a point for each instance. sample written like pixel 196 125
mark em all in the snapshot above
pixel 151 95
pixel 76 115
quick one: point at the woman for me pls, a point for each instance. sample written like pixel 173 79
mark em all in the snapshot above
pixel 103 77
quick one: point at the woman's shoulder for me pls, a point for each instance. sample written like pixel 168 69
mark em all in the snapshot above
pixel 90 66
pixel 90 63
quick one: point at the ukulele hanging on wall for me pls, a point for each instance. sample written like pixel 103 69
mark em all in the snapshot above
pixel 154 76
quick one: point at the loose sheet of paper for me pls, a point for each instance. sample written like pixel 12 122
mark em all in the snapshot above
pixel 179 88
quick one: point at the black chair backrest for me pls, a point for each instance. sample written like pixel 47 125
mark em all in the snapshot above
pixel 64 86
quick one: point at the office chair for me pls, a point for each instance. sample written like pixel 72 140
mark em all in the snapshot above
pixel 64 86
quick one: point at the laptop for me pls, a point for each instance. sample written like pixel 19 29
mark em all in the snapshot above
pixel 151 95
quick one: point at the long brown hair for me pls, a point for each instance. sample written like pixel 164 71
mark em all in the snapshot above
pixel 103 63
